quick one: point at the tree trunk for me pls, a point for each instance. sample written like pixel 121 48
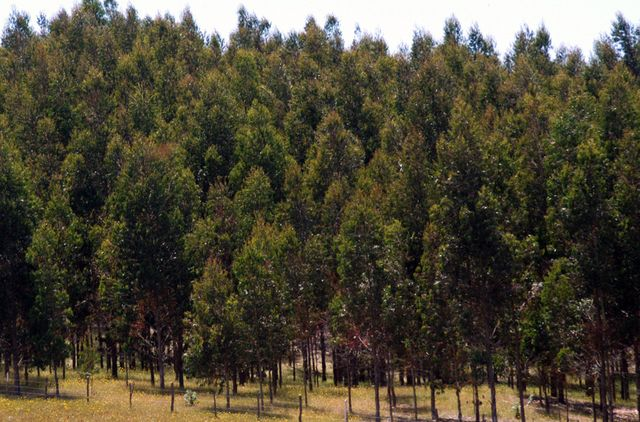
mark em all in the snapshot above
pixel 74 345
pixel 349 378
pixel 612 380
pixel 415 396
pixel 260 381
pixel 593 403
pixel 624 375
pixel 270 379
pixel 636 352
pixel 458 403
pixel 603 388
pixel 152 368
pixel 476 398
pixel 309 365
pixel 376 383
pixel 545 390
pixel 280 372
pixel 390 387
pixel 492 386
pixel 55 378
pixel 335 366
pixel 177 361
pixel 226 381
pixel 323 352
pixel 234 389
pixel 113 355
pixel 293 360
pixel 520 385
pixel 7 362
pixel 16 357
pixel 160 353
pixel 434 409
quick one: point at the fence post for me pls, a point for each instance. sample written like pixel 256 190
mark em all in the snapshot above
pixel 173 397
pixel 346 411
pixel 88 377
pixel 130 395
pixel 300 408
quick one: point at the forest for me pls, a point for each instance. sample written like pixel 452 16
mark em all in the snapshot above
pixel 221 207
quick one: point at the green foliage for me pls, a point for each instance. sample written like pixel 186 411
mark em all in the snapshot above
pixel 224 202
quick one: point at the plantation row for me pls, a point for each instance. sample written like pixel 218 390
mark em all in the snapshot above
pixel 170 198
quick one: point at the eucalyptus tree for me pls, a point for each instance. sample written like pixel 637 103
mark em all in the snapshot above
pixel 150 210
pixel 18 216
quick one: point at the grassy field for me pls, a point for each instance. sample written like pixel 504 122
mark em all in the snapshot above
pixel 109 401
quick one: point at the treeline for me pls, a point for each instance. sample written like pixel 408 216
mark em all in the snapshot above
pixel 170 198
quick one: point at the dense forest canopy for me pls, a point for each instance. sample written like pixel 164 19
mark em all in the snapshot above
pixel 171 198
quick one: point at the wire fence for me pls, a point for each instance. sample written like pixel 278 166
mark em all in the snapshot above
pixel 33 389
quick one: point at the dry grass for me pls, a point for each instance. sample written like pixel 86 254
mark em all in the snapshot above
pixel 110 402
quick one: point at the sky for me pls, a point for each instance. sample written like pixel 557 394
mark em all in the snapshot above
pixel 572 23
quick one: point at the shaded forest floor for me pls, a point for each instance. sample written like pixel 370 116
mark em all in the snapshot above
pixel 109 401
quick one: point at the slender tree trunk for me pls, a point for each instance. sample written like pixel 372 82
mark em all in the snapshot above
pixel 476 396
pixel 390 387
pixel 55 378
pixel 178 361
pixel 415 396
pixel 293 360
pixel 520 385
pixel 314 359
pixel 458 402
pixel 349 381
pixel 270 380
pixel 612 380
pixel 261 391
pixel 16 356
pixel 434 409
pixel 160 353
pixel 593 403
pixel 335 366
pixel 7 362
pixel 74 356
pixel 624 375
pixel 376 383
pixel 280 372
pixel 492 386
pixel 561 387
pixel 545 390
pixel 152 365
pixel 226 381
pixel 323 352
pixel 215 402
pixel 309 365
pixel 603 387
pixel 113 355
pixel 235 379
pixel 636 352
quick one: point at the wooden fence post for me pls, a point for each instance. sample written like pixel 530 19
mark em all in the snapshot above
pixel 300 408
pixel 88 376
pixel 130 395
pixel 173 397
pixel 346 410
